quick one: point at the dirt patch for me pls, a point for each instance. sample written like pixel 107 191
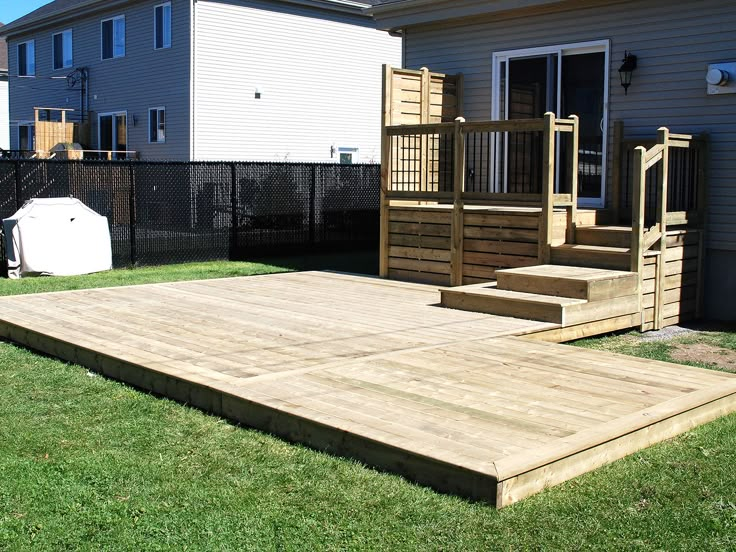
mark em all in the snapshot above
pixel 704 353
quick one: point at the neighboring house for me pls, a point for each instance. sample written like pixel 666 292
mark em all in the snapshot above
pixel 4 105
pixel 565 57
pixel 294 80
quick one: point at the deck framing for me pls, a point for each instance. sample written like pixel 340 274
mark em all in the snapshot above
pixel 466 403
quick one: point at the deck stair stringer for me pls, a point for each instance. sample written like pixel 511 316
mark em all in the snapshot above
pixel 565 295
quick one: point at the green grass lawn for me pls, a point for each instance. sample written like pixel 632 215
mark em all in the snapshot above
pixel 89 463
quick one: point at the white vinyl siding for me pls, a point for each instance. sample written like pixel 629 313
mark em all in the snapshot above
pixel 318 74
pixel 61 50
pixel 113 37
pixel 162 26
pixel 27 59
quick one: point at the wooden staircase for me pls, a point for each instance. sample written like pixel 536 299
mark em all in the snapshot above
pixel 571 296
pixel 596 246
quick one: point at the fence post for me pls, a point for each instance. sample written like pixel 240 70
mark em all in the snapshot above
pixel 233 211
pixel 546 221
pixel 457 225
pixel 17 184
pixel 132 215
pixel 312 206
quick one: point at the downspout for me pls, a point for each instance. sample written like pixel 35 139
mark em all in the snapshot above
pixel 192 87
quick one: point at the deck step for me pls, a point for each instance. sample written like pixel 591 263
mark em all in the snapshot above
pixel 593 284
pixel 594 256
pixel 609 236
pixel 566 311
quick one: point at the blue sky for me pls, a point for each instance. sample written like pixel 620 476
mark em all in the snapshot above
pixel 11 10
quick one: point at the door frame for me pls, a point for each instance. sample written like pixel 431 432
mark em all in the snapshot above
pixel 114 128
pixel 560 50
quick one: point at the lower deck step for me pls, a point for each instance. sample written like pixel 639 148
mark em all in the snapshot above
pixel 593 284
pixel 566 311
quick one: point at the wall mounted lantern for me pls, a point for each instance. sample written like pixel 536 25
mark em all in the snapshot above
pixel 626 69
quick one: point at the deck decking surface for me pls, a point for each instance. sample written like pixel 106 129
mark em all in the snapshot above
pixel 375 369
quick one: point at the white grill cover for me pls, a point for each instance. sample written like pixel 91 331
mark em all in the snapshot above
pixel 57 237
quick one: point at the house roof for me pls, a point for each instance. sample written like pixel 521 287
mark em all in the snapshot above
pixel 398 14
pixel 64 9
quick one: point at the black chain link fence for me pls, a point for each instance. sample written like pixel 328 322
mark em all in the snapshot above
pixel 176 212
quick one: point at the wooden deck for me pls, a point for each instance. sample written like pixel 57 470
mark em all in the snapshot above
pixel 374 369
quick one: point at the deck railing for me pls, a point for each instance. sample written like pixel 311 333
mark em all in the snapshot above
pixel 531 162
pixel 667 189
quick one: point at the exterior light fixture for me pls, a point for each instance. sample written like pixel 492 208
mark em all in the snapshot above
pixel 626 69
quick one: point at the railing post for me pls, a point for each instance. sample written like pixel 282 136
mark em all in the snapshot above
pixel 132 215
pixel 572 223
pixel 233 211
pixel 385 185
pixel 458 187
pixel 548 183
pixel 637 218
pixel 663 137
pixel 424 102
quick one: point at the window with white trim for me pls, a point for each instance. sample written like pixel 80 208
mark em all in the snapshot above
pixel 162 26
pixel 348 156
pixel 113 37
pixel 27 59
pixel 157 125
pixel 61 49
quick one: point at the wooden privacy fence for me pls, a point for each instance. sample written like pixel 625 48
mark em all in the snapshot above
pixel 434 163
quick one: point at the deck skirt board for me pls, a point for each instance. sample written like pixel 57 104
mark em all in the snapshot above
pixel 465 402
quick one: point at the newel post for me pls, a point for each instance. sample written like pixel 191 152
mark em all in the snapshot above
pixel 458 187
pixel 663 138
pixel 546 222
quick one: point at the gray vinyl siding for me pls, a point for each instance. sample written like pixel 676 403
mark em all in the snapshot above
pixel 319 74
pixel 674 42
pixel 143 78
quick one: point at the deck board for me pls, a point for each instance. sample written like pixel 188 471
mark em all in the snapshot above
pixel 377 370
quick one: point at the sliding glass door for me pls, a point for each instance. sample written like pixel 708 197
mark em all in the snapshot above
pixel 567 80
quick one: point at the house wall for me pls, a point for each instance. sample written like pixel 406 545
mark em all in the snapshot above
pixel 319 74
pixel 4 114
pixel 674 41
pixel 143 78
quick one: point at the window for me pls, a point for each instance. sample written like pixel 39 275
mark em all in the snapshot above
pixel 27 59
pixel 157 124
pixel 113 37
pixel 61 46
pixel 26 137
pixel 348 156
pixel 162 26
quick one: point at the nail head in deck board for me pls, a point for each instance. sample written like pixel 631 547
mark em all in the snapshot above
pixel 373 369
